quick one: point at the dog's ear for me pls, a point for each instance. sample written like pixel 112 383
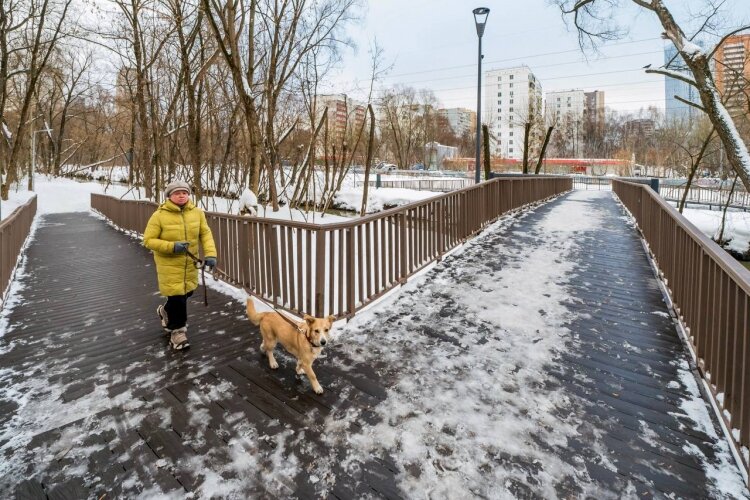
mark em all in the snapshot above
pixel 309 319
pixel 331 319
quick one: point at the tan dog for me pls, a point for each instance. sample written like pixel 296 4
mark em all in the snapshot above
pixel 304 342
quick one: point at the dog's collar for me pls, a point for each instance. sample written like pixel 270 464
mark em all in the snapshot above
pixel 302 331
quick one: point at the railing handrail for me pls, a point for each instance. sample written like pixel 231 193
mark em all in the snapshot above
pixel 16 211
pixel 728 263
pixel 339 268
pixel 356 221
pixel 14 231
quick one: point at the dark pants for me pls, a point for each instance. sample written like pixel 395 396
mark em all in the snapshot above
pixel 176 308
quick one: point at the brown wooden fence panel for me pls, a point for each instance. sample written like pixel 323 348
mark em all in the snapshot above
pixel 14 230
pixel 339 268
pixel 710 292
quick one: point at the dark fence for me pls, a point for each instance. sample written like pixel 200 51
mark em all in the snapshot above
pixel 431 184
pixel 603 183
pixel 339 268
pixel 589 182
pixel 13 233
pixel 712 196
pixel 711 294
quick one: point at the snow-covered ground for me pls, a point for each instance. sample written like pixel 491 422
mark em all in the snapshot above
pixel 737 226
pixel 57 194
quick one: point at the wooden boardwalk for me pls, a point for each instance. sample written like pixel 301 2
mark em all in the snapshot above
pixel 92 401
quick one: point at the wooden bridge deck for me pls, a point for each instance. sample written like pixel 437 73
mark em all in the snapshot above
pixel 92 401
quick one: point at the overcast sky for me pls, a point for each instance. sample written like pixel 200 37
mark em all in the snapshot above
pixel 433 44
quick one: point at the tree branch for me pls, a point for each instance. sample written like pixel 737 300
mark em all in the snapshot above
pixel 690 103
pixel 673 74
pixel 724 39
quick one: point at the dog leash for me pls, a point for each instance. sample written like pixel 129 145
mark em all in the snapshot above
pixel 283 316
pixel 200 264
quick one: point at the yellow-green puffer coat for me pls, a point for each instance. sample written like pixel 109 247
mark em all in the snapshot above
pixel 176 272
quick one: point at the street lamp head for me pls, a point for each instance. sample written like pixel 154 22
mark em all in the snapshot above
pixel 480 19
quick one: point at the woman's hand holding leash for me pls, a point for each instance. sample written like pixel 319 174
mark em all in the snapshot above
pixel 208 262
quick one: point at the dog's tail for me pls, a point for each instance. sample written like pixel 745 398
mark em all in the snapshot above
pixel 253 316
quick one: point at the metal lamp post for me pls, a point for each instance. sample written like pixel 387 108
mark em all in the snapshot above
pixel 33 154
pixel 480 20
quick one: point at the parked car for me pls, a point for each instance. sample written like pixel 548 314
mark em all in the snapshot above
pixel 418 166
pixel 386 167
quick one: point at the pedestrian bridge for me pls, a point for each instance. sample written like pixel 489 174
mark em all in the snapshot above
pixel 538 360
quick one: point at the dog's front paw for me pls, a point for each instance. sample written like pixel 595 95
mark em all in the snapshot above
pixel 318 389
pixel 273 364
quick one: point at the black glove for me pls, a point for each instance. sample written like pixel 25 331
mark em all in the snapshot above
pixel 210 262
pixel 181 246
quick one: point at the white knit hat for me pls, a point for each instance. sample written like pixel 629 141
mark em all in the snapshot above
pixel 175 186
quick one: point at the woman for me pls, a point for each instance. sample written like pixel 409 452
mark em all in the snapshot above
pixel 174 229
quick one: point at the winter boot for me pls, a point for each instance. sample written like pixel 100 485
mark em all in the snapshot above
pixel 162 313
pixel 178 339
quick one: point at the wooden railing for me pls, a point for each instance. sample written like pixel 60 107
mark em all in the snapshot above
pixel 711 294
pixel 336 269
pixel 13 233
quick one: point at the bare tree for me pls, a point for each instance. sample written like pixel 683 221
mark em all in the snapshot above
pixel 594 21
pixel 42 30
pixel 263 43
pixel 72 85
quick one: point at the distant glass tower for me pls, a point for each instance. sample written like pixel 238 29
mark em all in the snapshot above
pixel 674 109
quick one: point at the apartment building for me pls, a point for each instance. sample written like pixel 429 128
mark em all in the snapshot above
pixel 513 97
pixel 732 70
pixel 594 110
pixel 343 113
pixel 565 110
pixel 461 120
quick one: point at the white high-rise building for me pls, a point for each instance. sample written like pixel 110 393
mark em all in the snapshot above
pixel 565 110
pixel 565 102
pixel 513 97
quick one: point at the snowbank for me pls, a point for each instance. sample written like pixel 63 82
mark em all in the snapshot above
pixel 737 226
pixel 350 198
pixel 58 194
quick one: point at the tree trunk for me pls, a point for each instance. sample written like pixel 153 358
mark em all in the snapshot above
pixel 526 132
pixel 694 169
pixel 544 150
pixel 720 236
pixel 368 161
pixel 486 150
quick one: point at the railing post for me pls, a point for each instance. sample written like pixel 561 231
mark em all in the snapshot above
pixel 403 271
pixel 244 254
pixel 273 260
pixel 350 307
pixel 320 277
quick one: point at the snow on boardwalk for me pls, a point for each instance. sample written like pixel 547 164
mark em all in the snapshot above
pixel 538 361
